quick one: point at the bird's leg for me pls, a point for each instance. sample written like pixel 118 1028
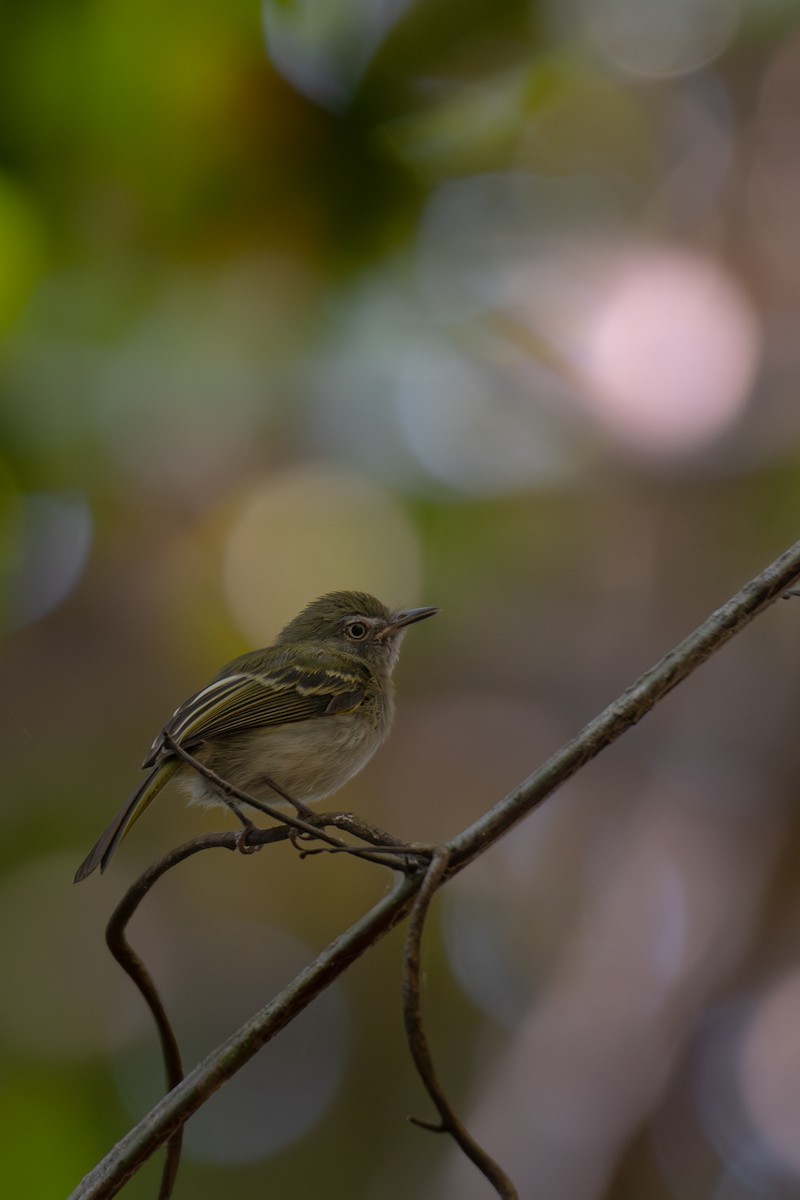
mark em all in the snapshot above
pixel 242 844
pixel 234 797
pixel 302 810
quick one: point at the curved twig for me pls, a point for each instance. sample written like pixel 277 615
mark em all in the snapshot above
pixel 132 965
pixel 418 1041
pixel 153 1130
pixel 174 1109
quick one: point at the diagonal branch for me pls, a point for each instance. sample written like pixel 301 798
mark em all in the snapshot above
pixel 155 1128
pixel 629 708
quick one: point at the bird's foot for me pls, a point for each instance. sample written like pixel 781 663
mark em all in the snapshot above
pixel 242 844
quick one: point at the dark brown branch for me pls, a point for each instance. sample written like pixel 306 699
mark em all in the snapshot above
pixel 629 708
pixel 153 1130
pixel 418 1041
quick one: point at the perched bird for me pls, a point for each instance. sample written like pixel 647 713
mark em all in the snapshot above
pixel 306 713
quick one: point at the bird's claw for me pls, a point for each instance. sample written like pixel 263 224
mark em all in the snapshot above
pixel 298 836
pixel 242 844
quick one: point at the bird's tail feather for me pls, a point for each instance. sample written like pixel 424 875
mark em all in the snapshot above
pixel 105 847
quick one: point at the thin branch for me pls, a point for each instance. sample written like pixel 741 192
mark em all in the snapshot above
pixel 418 1041
pixel 226 790
pixel 311 826
pixel 133 966
pixel 155 1128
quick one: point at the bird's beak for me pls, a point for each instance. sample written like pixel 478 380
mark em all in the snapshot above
pixel 407 617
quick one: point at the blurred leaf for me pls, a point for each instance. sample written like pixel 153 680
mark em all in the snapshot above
pixel 49 1138
pixel 22 250
pixel 470 127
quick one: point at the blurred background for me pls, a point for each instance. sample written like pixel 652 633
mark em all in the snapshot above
pixel 490 305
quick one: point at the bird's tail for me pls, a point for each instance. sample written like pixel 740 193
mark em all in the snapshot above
pixel 105 847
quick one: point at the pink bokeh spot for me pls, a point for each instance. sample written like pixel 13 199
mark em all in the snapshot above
pixel 669 352
pixel 769 1071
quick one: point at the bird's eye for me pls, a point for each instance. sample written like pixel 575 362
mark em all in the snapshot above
pixel 356 630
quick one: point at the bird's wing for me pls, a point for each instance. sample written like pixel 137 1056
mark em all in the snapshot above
pixel 245 700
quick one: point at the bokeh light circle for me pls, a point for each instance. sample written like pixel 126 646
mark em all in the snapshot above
pixel 472 426
pixel 54 533
pixel 769 1071
pixel 654 40
pixel 314 530
pixel 669 351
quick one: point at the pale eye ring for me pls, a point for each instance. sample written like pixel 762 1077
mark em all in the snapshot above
pixel 356 630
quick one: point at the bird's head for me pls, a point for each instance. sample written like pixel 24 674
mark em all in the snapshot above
pixel 356 622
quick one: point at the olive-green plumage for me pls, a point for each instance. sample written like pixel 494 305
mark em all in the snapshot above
pixel 307 712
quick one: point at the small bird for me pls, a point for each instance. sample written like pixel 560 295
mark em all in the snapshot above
pixel 306 713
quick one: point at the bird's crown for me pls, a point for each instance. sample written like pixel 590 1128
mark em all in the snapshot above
pixel 326 617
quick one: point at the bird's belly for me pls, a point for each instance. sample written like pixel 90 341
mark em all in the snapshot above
pixel 309 759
